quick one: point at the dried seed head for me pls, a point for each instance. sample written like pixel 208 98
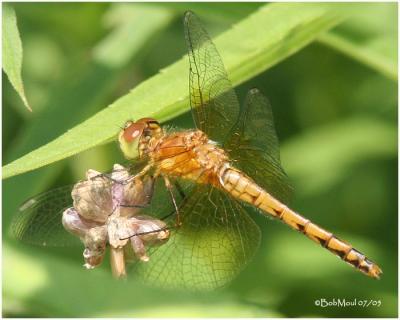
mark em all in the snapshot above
pixel 118 233
pixel 153 231
pixel 136 195
pixel 92 259
pixel 146 231
pixel 106 212
pixel 163 236
pixel 120 173
pixel 74 223
pixel 93 198
pixel 139 249
pixel 95 241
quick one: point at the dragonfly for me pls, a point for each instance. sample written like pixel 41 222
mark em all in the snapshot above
pixel 101 211
pixel 232 162
pixel 213 178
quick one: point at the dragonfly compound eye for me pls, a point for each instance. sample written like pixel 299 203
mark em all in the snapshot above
pixel 133 131
pixel 129 138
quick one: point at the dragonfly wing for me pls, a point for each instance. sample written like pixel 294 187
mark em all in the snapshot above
pixel 213 101
pixel 216 240
pixel 38 221
pixel 254 146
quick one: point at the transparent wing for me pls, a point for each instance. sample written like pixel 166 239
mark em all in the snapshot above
pixel 216 240
pixel 213 101
pixel 254 146
pixel 161 205
pixel 38 221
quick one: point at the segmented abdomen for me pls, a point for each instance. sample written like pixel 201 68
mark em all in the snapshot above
pixel 244 188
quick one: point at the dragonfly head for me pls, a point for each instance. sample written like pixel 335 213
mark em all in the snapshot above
pixel 134 136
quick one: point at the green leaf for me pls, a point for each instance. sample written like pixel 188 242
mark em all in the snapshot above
pixel 219 12
pixel 12 52
pixel 256 43
pixel 370 37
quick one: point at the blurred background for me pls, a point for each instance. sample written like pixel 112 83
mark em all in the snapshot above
pixel 336 117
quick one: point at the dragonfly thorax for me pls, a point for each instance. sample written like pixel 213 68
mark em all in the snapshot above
pixel 189 155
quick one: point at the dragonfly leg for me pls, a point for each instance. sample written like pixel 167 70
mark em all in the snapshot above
pixel 144 171
pixel 180 190
pixel 182 195
pixel 169 188
pixel 168 215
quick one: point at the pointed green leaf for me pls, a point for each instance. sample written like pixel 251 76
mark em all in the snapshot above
pixel 12 52
pixel 253 45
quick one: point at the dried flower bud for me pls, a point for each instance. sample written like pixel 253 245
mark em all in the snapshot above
pixel 153 231
pixel 139 249
pixel 95 241
pixel 117 231
pixel 93 197
pixel 73 223
pixel 136 195
pixel 146 231
pixel 119 173
pixel 92 259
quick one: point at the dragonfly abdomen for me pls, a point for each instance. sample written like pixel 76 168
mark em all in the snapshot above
pixel 328 240
pixel 244 188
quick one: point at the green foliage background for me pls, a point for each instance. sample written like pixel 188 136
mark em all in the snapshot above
pixel 335 108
